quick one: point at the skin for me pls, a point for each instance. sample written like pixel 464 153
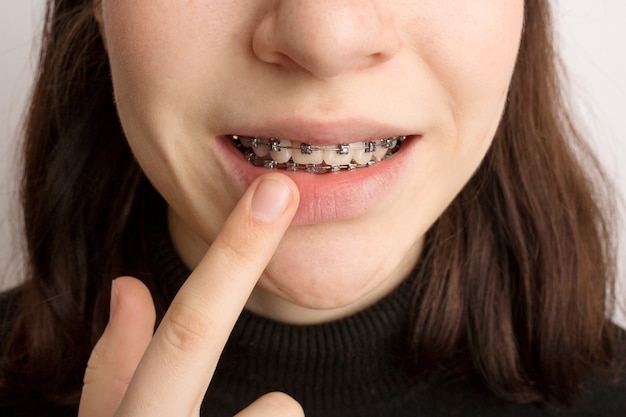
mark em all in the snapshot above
pixel 186 73
pixel 131 372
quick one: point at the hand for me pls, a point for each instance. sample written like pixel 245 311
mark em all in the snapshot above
pixel 133 373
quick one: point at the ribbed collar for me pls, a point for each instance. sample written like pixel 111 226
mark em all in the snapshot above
pixel 351 363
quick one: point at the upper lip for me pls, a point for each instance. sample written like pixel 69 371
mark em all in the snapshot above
pixel 323 132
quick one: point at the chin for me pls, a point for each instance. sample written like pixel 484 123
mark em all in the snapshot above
pixel 316 294
pixel 337 283
pixel 320 278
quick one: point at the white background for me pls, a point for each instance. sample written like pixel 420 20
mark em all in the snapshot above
pixel 592 34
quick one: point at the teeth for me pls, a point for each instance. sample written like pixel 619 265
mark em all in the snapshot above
pixel 280 150
pixel 363 154
pixel 257 147
pixel 383 148
pixel 261 151
pixel 341 157
pixel 295 156
pixel 304 154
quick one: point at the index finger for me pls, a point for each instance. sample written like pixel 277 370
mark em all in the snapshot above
pixel 175 372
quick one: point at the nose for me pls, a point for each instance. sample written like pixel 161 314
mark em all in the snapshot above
pixel 326 37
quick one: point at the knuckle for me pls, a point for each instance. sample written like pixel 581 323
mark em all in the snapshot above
pixel 94 365
pixel 91 374
pixel 185 329
pixel 239 252
pixel 98 372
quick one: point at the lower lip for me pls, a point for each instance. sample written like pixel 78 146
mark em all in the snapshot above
pixel 331 196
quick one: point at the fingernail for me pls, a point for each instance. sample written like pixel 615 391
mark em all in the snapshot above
pixel 270 200
pixel 114 297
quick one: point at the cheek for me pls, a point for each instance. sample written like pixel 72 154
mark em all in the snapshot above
pixel 474 62
pixel 471 48
pixel 161 51
pixel 143 49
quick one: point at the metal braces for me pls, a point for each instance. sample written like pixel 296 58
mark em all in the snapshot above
pixel 275 145
pixel 257 161
pixel 391 144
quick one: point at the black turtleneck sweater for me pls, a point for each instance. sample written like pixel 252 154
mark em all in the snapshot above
pixel 358 366
pixel 355 367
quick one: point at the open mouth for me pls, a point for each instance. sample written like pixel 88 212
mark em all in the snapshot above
pixel 291 155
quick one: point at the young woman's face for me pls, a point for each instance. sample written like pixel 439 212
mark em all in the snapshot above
pixel 188 75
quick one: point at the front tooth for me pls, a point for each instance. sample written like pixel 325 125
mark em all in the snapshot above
pixel 334 157
pixel 316 157
pixel 284 154
pixel 360 156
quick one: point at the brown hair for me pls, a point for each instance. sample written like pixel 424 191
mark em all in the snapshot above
pixel 521 267
pixel 79 179
pixel 513 286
